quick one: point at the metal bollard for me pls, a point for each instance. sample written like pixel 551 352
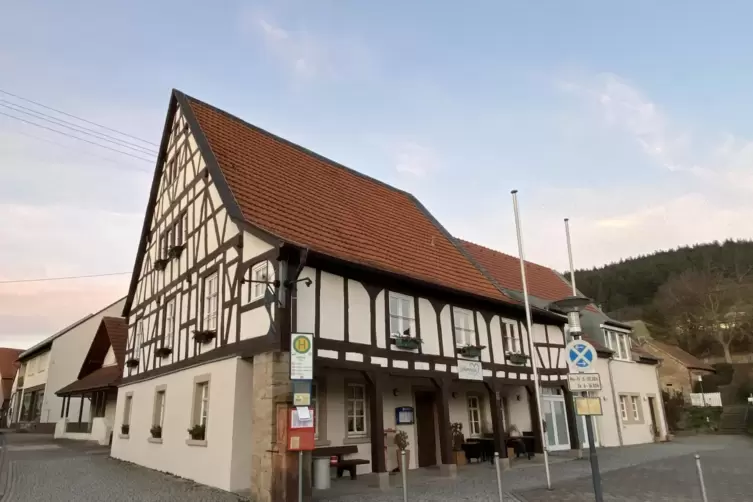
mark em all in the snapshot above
pixel 300 476
pixel 700 477
pixel 499 475
pixel 404 474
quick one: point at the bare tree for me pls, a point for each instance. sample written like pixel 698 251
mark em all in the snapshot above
pixel 701 306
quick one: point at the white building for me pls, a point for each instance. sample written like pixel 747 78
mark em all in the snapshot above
pixel 631 398
pixel 96 387
pixel 248 238
pixel 48 366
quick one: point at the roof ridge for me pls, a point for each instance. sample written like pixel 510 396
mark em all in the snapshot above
pixel 301 148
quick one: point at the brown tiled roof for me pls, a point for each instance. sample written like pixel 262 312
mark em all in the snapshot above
pixel 307 200
pixel 98 380
pixel 7 385
pixel 117 331
pixel 8 362
pixel 687 359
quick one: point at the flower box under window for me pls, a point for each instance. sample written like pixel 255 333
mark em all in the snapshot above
pixel 197 432
pixel 516 358
pixel 132 362
pixel 163 351
pixel 471 350
pixel 204 335
pixel 175 251
pixel 156 431
pixel 407 342
pixel 161 263
pixel 125 429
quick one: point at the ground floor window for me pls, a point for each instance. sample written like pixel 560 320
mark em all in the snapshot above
pixel 127 409
pixel 158 416
pixel 474 416
pixel 356 409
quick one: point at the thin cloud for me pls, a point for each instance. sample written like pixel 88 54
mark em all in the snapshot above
pixel 415 160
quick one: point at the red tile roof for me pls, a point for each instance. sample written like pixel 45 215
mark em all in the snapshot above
pixel 543 282
pixel 310 201
pixel 97 380
pixel 685 358
pixel 8 364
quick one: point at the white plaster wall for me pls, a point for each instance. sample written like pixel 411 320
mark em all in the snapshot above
pixel 254 323
pixel 66 357
pixel 359 313
pixel 110 358
pixel 495 333
pixel 253 246
pixel 210 465
pixel 240 469
pixel 635 378
pixel 519 412
pixel 445 320
pixel 110 409
pixel 306 302
pixel 331 305
pixel 459 405
pixel 428 324
pixel 607 424
pixel 36 369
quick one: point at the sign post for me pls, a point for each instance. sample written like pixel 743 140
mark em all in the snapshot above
pixel 301 418
pixel 580 356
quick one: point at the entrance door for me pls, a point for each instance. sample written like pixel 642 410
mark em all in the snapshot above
pixel 652 410
pixel 557 435
pixel 425 429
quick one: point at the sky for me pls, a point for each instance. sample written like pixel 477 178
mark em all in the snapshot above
pixel 633 119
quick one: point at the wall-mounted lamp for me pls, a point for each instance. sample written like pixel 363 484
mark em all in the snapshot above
pixel 454 395
pixel 517 398
pixel 395 392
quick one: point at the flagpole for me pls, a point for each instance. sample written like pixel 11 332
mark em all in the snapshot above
pixel 570 256
pixel 536 384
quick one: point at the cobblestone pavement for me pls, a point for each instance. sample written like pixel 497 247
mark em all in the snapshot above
pixel 40 470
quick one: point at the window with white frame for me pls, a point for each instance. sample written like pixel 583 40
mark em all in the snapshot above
pixel 636 402
pixel 624 408
pixel 169 323
pixel 158 417
pixel 138 337
pixel 619 343
pixel 261 275
pixel 211 298
pixel 474 416
pixel 512 338
pixel 356 409
pixel 401 315
pixel 201 403
pixel 465 333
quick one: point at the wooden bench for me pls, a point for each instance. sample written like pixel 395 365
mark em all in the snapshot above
pixel 336 454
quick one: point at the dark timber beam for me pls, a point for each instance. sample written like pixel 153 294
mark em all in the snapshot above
pixel 443 413
pixel 572 420
pixel 375 390
pixel 538 441
pixel 81 410
pixel 495 406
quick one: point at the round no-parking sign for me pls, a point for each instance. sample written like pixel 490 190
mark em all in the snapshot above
pixel 580 354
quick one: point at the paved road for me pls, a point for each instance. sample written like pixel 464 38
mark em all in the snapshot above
pixel 36 469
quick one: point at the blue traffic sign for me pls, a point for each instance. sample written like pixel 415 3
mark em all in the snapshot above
pixel 580 354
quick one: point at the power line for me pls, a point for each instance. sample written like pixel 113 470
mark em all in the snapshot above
pixel 77 118
pixel 81 150
pixel 76 137
pixel 44 279
pixel 69 125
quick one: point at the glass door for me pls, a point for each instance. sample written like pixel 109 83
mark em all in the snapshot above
pixel 555 414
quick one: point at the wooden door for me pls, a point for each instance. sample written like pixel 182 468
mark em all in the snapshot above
pixel 425 429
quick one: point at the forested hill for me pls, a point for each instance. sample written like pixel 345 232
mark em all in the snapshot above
pixel 623 289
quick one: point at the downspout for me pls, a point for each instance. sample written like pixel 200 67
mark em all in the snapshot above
pixel 617 418
pixel 660 398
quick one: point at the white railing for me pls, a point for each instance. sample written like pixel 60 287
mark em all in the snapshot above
pixel 706 399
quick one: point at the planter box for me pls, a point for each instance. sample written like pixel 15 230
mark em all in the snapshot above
pixel 161 263
pixel 163 351
pixel 407 343
pixel 175 251
pixel 517 358
pixel 132 362
pixel 471 350
pixel 459 457
pixel 205 335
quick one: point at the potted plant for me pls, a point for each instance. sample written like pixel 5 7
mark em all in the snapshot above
pixel 204 335
pixel 163 351
pixel 132 362
pixel 401 441
pixel 407 342
pixel 516 357
pixel 175 251
pixel 458 439
pixel 156 431
pixel 124 429
pixel 197 432
pixel 471 350
pixel 161 263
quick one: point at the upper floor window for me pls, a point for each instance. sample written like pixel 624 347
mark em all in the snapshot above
pixel 211 298
pixel 169 323
pixel 465 333
pixel 619 343
pixel 511 338
pixel 171 170
pixel 401 315
pixel 175 234
pixel 138 337
pixel 261 275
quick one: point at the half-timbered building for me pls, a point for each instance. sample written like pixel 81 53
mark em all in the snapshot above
pixel 248 238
